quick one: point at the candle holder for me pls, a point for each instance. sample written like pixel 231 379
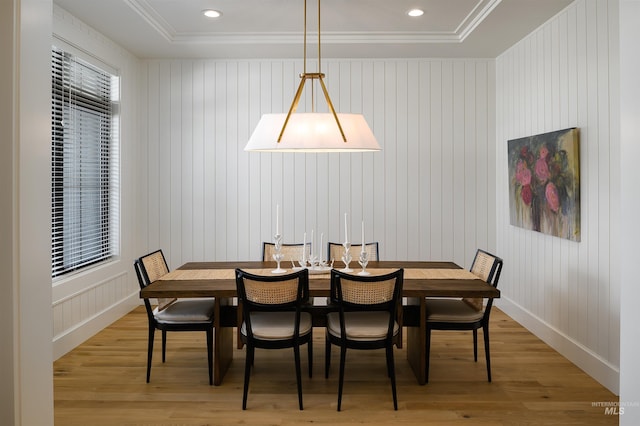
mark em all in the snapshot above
pixel 278 256
pixel 313 261
pixel 346 257
pixel 302 260
pixel 363 261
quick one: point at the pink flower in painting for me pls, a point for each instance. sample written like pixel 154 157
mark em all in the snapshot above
pixel 526 194
pixel 523 174
pixel 544 152
pixel 552 197
pixel 542 170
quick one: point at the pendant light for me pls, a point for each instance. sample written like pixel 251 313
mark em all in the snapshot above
pixel 312 131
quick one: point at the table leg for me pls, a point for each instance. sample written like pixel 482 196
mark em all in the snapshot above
pixel 223 347
pixel 416 341
pixel 239 342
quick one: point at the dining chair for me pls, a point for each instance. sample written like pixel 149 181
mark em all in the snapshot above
pixel 290 251
pixel 336 250
pixel 467 313
pixel 173 314
pixel 365 319
pixel 273 319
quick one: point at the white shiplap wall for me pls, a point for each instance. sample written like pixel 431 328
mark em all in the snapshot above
pixel 428 195
pixel 563 75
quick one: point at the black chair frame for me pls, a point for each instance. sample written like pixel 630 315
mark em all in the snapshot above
pixel 344 343
pixel 493 278
pixel 207 327
pixel 253 342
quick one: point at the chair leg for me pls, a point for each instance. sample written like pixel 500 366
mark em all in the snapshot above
pixel 343 356
pixel 475 345
pixel 485 331
pixel 427 356
pixel 152 332
pixel 310 355
pixel 210 354
pixel 327 357
pixel 247 372
pixel 164 344
pixel 392 374
pixel 296 355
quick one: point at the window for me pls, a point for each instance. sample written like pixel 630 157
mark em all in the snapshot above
pixel 84 164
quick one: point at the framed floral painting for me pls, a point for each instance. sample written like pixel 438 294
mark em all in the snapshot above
pixel 544 183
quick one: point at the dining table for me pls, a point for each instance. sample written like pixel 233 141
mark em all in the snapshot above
pixel 422 280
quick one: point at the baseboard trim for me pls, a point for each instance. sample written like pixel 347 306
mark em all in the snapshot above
pixel 595 366
pixel 82 331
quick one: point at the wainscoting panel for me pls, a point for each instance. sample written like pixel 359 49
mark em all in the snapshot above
pixel 427 195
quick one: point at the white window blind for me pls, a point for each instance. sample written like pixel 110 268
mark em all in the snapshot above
pixel 84 205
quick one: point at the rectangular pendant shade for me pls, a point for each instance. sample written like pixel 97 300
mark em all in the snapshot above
pixel 312 132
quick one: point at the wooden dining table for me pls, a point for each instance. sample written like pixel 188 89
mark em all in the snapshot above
pixel 421 280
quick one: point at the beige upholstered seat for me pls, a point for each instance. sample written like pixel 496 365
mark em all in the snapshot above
pixel 193 310
pixel 272 318
pixel 366 318
pixel 173 314
pixel 361 326
pixel 277 325
pixel 451 310
pixel 466 314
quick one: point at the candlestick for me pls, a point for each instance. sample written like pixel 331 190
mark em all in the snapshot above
pixel 363 250
pixel 278 219
pixel 346 238
pixel 304 250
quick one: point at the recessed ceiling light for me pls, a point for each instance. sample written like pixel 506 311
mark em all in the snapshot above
pixel 415 12
pixel 210 13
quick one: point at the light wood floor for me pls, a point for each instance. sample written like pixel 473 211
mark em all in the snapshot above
pixel 102 382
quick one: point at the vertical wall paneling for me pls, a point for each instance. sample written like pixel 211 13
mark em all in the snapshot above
pixel 448 160
pixel 412 227
pixel 470 156
pixel 558 77
pixel 150 160
pixel 422 155
pixel 402 179
pixel 186 200
pixel 459 165
pixel 196 171
pixel 244 132
pixel 435 160
pixel 425 196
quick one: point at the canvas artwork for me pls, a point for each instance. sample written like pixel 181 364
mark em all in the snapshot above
pixel 544 183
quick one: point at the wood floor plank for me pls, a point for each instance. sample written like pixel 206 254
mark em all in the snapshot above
pixel 102 382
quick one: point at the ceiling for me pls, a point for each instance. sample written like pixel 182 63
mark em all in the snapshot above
pixel 349 28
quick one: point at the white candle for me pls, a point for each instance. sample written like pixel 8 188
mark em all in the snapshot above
pixel 320 248
pixel 277 219
pixel 311 255
pixel 363 237
pixel 346 238
pixel 304 247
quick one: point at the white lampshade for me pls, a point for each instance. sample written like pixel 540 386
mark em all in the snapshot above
pixel 312 132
